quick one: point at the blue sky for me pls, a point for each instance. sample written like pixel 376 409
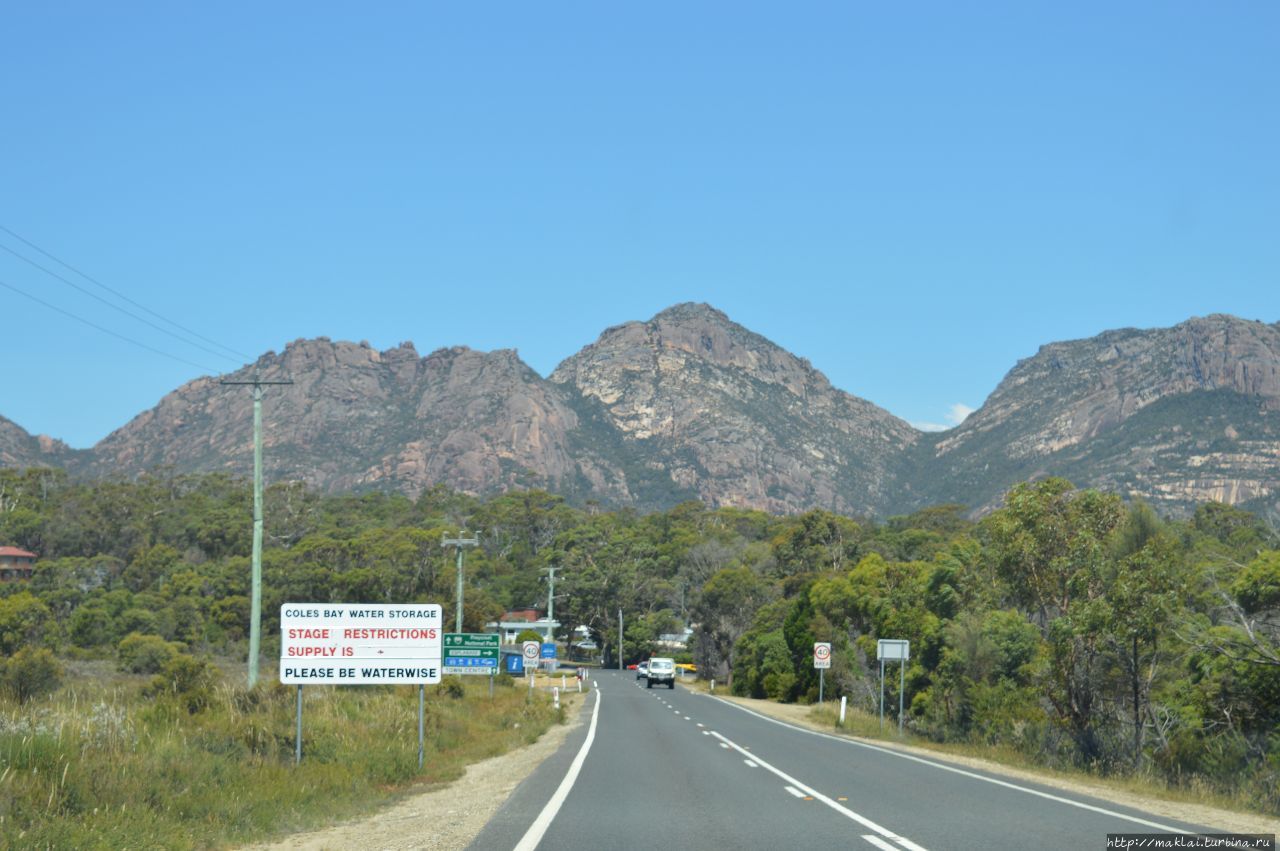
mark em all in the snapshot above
pixel 911 196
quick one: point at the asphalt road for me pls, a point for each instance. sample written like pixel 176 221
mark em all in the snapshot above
pixel 683 770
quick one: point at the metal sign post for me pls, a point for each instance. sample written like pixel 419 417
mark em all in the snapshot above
pixel 297 742
pixel 894 649
pixel 422 711
pixel 821 661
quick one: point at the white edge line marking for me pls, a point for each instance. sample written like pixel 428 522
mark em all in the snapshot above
pixel 878 842
pixel 538 829
pixel 818 796
pixel 961 771
pixel 794 791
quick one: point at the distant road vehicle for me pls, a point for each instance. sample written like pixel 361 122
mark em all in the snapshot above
pixel 661 671
pixel 642 670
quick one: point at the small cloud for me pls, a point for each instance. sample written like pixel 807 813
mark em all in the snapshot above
pixel 958 413
pixel 955 415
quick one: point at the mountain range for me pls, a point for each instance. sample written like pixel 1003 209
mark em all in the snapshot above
pixel 690 405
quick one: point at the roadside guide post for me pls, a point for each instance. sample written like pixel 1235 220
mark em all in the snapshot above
pixel 360 644
pixel 893 649
pixel 843 698
pixel 821 661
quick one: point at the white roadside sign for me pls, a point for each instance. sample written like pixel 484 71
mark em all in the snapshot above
pixel 893 649
pixel 360 644
pixel 822 654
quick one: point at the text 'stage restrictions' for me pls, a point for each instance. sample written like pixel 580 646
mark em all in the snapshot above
pixel 359 644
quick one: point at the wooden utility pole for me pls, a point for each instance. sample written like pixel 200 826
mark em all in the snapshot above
pixel 255 604
pixel 460 542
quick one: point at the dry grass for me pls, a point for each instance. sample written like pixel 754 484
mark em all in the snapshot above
pixel 96 766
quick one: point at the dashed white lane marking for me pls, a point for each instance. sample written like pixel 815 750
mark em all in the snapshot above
pixel 878 842
pixel 808 790
pixel 795 792
pixel 701 724
pixel 750 764
pixel 687 718
pixel 1157 825
pixel 705 732
pixel 538 829
pixel 723 745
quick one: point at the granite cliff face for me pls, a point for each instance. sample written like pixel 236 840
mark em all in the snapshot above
pixel 18 448
pixel 1176 415
pixel 692 405
pixel 356 418
pixel 736 420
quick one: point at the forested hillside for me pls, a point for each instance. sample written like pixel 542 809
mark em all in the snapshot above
pixel 1067 624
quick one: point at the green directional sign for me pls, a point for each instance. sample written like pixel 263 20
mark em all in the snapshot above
pixel 471 653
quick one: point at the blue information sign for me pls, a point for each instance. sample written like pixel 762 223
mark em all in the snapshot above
pixel 548 650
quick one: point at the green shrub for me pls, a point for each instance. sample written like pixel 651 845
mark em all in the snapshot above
pixel 146 654
pixel 31 672
pixel 186 680
pixel 90 626
pixel 453 687
pixel 138 620
pixel 529 635
pixel 25 621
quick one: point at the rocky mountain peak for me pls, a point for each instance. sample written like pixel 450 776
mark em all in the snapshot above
pixel 714 402
pixel 689 404
pixel 1151 401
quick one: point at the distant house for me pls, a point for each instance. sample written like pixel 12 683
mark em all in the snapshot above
pixel 675 640
pixel 516 622
pixel 16 564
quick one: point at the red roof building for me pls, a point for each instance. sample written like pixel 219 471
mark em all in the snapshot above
pixel 16 564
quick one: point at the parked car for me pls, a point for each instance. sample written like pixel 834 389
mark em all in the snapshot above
pixel 642 670
pixel 661 671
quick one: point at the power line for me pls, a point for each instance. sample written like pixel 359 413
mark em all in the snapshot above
pixel 120 295
pixel 115 307
pixel 107 330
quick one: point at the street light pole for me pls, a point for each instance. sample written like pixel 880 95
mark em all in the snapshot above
pixel 460 542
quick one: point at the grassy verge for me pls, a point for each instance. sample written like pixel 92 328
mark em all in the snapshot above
pixel 97 766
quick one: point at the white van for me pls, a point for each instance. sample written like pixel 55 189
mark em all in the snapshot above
pixel 661 671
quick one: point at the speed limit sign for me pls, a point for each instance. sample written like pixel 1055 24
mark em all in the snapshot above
pixel 530 650
pixel 822 654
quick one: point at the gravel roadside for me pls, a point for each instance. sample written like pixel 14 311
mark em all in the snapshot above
pixel 446 818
